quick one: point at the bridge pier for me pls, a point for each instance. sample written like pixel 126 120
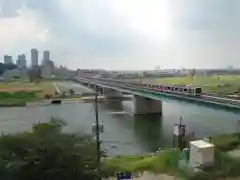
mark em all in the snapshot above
pixel 143 106
pixel 110 93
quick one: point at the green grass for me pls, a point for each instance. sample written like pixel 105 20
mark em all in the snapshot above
pixel 39 88
pixel 12 102
pixel 164 162
pixel 226 142
pixel 222 84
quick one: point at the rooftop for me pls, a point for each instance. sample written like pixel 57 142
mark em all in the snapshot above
pixel 201 144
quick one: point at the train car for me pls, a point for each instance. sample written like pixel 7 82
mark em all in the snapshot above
pixel 186 90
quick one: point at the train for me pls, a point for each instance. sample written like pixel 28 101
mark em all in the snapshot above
pixel 175 89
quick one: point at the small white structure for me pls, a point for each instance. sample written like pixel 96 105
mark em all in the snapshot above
pixel 201 153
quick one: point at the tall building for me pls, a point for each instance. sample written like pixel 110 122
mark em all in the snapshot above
pixel 21 62
pixel 8 59
pixel 34 57
pixel 46 56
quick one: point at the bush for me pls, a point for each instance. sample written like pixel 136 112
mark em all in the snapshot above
pixel 164 161
pixel 71 92
pixel 47 153
pixel 17 95
pixel 47 96
pixel 226 142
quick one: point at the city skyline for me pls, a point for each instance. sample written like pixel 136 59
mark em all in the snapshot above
pixel 39 57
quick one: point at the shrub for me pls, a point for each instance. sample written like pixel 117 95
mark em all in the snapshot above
pixel 163 161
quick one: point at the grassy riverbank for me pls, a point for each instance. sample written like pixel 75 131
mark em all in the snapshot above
pixel 226 165
pixel 227 158
pixel 165 161
pixel 18 93
pixel 222 84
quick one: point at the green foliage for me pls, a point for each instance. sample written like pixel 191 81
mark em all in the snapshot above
pixel 226 142
pixel 71 91
pixel 47 153
pixel 17 95
pixel 224 166
pixel 5 67
pixel 164 161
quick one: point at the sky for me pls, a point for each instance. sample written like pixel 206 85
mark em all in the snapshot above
pixel 124 34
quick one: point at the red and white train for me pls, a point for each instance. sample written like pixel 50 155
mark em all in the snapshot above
pixel 176 89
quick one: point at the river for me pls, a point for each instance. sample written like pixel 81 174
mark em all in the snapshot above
pixel 124 134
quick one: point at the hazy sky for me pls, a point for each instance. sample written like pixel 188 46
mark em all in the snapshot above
pixel 124 34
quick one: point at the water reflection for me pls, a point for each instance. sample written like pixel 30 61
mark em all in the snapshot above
pixel 147 129
pixel 114 106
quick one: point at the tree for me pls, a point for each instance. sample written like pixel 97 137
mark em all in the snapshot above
pixel 71 91
pixel 34 74
pixel 47 153
pixel 5 67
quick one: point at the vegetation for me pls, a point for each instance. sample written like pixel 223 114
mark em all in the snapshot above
pixel 17 93
pixel 15 98
pixel 226 142
pixel 225 166
pixel 47 153
pixel 34 74
pixel 4 67
pixel 163 162
pixel 218 84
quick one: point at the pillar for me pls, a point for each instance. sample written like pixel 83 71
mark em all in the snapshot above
pixel 107 92
pixel 143 106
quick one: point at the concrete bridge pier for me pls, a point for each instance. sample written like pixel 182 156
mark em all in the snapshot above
pixel 143 106
pixel 110 93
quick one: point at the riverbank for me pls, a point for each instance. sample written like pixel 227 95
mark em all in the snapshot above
pixel 161 164
pixel 74 100
pixel 19 93
pixel 164 164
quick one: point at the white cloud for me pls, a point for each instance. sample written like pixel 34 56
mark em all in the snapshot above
pixel 21 31
pixel 125 34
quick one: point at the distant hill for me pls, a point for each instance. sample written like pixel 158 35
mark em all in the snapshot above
pixel 4 67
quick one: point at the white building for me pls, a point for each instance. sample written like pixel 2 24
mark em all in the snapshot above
pixel 47 69
pixel 8 59
pixel 21 62
pixel 34 57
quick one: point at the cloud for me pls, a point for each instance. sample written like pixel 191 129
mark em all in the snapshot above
pixel 123 34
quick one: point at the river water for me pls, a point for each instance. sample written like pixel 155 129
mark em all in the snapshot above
pixel 123 133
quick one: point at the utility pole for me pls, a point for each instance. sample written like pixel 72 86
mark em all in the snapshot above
pixel 97 137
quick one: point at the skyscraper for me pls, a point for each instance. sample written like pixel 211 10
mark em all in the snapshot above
pixel 46 56
pixel 8 59
pixel 21 62
pixel 34 57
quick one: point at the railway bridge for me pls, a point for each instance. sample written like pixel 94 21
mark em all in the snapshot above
pixel 147 100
